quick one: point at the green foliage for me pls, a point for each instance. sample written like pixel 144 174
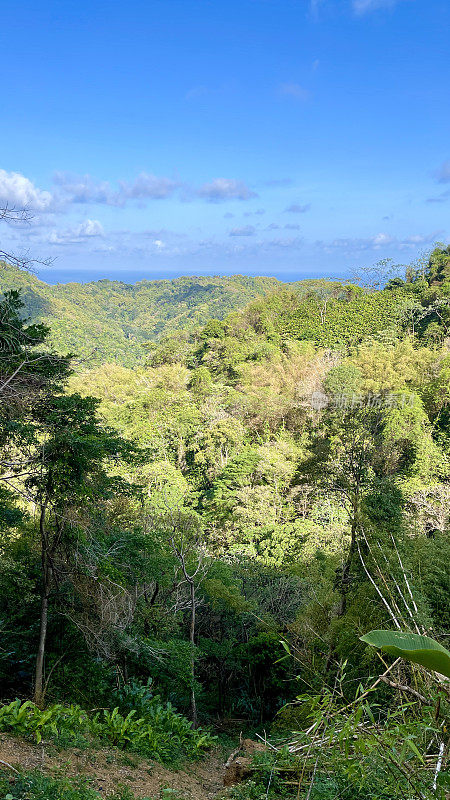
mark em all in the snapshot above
pixel 134 696
pixel 121 731
pixel 344 322
pixel 65 724
pixel 110 320
pixel 361 748
pixel 275 774
pixel 36 786
pixel 160 733
pixel 309 523
pixel 413 647
pixel 438 271
pixel 346 379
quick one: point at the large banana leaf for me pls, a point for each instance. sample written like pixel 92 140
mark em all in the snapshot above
pixel 419 649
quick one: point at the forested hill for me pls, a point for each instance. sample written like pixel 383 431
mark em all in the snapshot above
pixel 109 320
pixel 222 530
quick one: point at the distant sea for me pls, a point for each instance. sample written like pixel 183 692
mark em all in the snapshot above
pixel 54 275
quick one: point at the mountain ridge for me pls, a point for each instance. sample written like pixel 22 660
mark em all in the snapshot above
pixel 108 320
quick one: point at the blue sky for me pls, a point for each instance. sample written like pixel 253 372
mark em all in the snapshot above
pixel 265 137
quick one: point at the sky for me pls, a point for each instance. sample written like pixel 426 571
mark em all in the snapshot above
pixel 158 138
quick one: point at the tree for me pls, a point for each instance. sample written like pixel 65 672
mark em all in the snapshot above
pixel 378 275
pixel 28 376
pixel 184 532
pixel 53 449
pixel 25 372
pixel 344 453
pixel 72 450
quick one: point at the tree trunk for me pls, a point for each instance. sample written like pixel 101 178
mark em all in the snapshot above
pixel 39 676
pixel 343 585
pixel 192 643
pixel 345 575
pixel 39 689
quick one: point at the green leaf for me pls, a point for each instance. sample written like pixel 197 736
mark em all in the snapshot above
pixel 369 713
pixel 414 749
pixel 412 647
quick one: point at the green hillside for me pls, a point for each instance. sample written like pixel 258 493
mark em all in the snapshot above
pixel 110 320
pixel 213 537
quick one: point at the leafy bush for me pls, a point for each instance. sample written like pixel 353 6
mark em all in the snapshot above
pixel 133 695
pixel 35 786
pixel 364 749
pixel 66 724
pixel 161 733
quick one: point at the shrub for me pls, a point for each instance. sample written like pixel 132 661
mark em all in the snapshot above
pixel 161 733
pixel 35 786
pixel 66 724
pixel 133 695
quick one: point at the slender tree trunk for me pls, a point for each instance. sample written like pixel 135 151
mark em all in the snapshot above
pixel 39 690
pixel 192 643
pixel 345 575
pixel 39 676
pixel 343 585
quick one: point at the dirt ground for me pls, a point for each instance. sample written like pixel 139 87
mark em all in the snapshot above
pixel 107 769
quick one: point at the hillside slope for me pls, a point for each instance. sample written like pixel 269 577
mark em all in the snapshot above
pixel 109 320
pixel 107 771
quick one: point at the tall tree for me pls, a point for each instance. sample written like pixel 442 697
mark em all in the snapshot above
pixel 53 449
pixel 70 471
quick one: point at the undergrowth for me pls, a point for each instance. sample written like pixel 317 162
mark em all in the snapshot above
pixel 35 786
pixel 158 732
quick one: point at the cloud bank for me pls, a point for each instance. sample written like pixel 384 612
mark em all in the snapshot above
pixel 16 191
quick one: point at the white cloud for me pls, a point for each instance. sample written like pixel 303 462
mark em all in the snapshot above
pixel 246 230
pixel 19 192
pixel 379 241
pixel 293 90
pixel 162 234
pixel 90 227
pixel 258 213
pixel 351 244
pixel 294 242
pixel 86 230
pixel 419 239
pixel 149 186
pixel 225 189
pixel 84 189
